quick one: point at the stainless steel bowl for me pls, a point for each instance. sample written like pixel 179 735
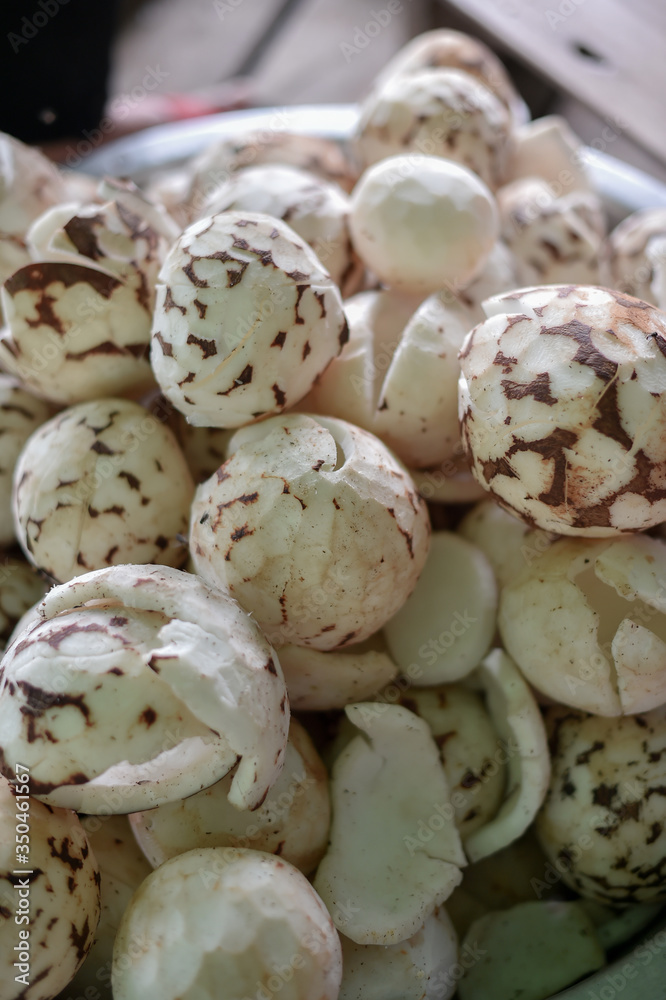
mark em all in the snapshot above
pixel 639 972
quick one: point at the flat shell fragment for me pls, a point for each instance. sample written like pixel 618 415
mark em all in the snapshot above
pixel 395 853
pixel 530 952
pixel 416 969
pixel 446 625
pixel 585 623
pixel 517 719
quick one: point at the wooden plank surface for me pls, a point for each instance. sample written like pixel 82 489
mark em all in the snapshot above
pixel 610 54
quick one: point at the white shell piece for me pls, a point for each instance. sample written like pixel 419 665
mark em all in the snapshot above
pixel 447 623
pixel 395 853
pixel 292 822
pixel 224 915
pixel 318 680
pixel 415 969
pixel 596 611
pixel 517 719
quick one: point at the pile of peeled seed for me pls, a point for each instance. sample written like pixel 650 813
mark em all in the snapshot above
pixel 333 579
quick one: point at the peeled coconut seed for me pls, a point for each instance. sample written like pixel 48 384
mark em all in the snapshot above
pixel 101 483
pixel 444 47
pixel 423 223
pixel 562 408
pixel 246 319
pixel 314 527
pixel 316 210
pixel 604 814
pixel 439 111
pixel 122 869
pixel 21 413
pixel 59 894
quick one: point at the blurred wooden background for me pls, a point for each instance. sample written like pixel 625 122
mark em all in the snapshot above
pixel 601 63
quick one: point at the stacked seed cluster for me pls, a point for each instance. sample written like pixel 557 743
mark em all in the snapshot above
pixel 261 730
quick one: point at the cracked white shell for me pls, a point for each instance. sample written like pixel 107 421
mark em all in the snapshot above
pixel 586 623
pixel 241 918
pixel 548 148
pixel 314 527
pixel 21 413
pixel 144 685
pixel 415 969
pixel 604 813
pixel 423 223
pixel 395 853
pixel 292 822
pixel 316 210
pixel 557 240
pixel 440 112
pixel 446 625
pixel 246 319
pixel 635 255
pixel 52 911
pixel 79 316
pixel 563 410
pixel 74 332
pixel 29 184
pixel 100 484
pixel 397 376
